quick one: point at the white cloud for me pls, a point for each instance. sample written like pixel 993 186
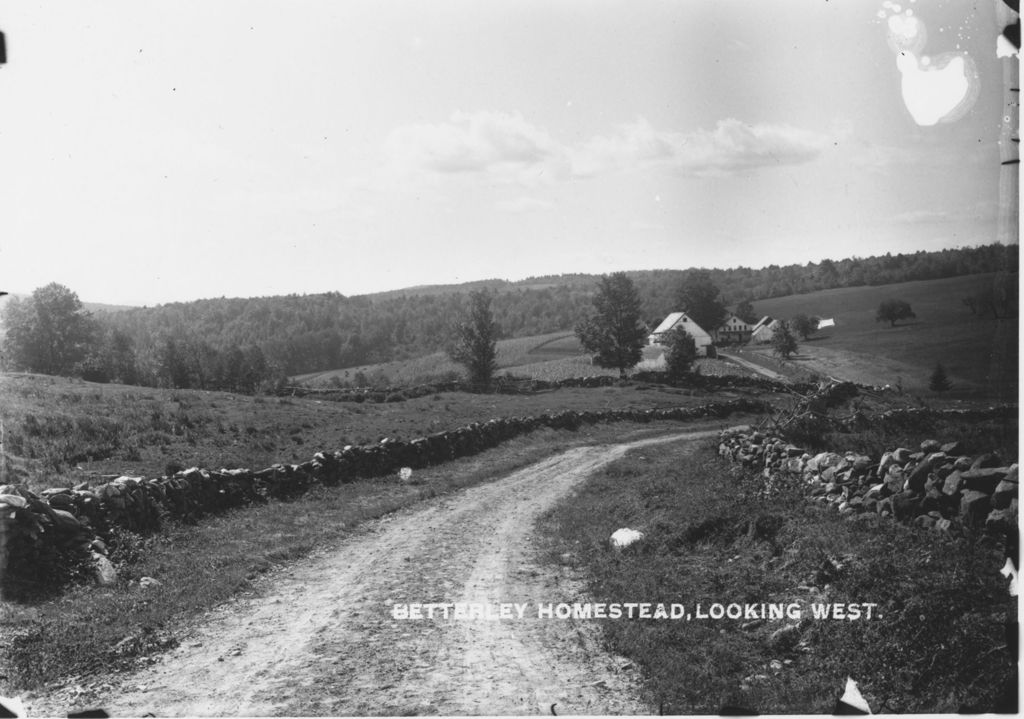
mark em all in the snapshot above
pixel 731 146
pixel 509 148
pixel 491 142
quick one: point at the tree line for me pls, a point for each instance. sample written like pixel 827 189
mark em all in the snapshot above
pixel 238 344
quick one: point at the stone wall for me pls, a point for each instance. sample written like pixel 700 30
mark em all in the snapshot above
pixel 37 531
pixel 935 486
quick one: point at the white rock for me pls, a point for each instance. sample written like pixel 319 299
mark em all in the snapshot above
pixel 625 537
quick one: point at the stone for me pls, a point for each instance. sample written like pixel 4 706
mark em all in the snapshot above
pixel 901 455
pixel 984 479
pixel 986 461
pixel 943 525
pixel 952 448
pixel 962 463
pixel 884 463
pixel 930 445
pixel 953 483
pixel 906 505
pixel 1002 520
pixel 974 507
pixel 147 582
pixel 924 521
pixel 106 575
pixel 1005 492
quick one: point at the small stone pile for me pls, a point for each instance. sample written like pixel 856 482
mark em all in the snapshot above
pixel 80 519
pixel 938 486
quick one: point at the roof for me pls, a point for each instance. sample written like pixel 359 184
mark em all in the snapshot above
pixel 669 322
pixel 763 322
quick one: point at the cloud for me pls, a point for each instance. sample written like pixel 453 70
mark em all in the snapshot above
pixel 491 142
pixel 732 146
pixel 507 147
pixel 523 204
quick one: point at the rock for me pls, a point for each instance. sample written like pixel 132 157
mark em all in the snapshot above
pixel 952 448
pixel 930 445
pixel 1005 492
pixel 986 461
pixel 919 475
pixel 106 575
pixel 953 483
pixel 1002 520
pixel 906 505
pixel 962 463
pixel 784 638
pixel 943 525
pixel 924 521
pixel 984 480
pixel 624 537
pixel 147 582
pixel 932 500
pixel 901 455
pixel 13 500
pixel 974 507
pixel 884 463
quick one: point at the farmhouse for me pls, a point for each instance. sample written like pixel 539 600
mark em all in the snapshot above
pixel 733 330
pixel 762 331
pixel 680 319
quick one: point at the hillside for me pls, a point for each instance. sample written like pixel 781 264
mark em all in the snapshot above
pixel 980 353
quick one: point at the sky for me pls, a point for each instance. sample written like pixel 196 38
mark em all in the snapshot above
pixel 153 152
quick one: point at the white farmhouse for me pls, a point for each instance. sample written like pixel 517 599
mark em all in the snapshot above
pixel 680 319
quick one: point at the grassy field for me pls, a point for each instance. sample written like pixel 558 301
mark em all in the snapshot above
pixel 980 354
pixel 59 431
pixel 512 353
pixel 936 644
pixel 203 566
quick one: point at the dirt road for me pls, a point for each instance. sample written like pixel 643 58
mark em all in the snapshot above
pixel 323 640
pixel 763 371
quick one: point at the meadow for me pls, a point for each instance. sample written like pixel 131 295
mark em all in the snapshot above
pixel 59 432
pixel 937 642
pixel 980 354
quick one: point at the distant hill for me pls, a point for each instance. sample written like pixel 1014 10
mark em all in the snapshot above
pixel 301 334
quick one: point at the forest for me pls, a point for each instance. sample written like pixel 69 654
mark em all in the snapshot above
pixel 242 344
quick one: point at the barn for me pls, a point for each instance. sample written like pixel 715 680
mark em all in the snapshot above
pixel 762 331
pixel 680 319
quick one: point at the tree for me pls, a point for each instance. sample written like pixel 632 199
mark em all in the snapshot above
pixel 893 310
pixel 698 297
pixel 680 353
pixel 614 335
pixel 783 341
pixel 939 382
pixel 48 333
pixel 474 342
pixel 805 326
pixel 745 311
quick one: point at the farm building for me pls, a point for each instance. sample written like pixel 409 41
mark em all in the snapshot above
pixel 762 331
pixel 733 330
pixel 679 319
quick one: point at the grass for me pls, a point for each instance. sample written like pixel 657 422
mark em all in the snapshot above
pixel 511 353
pixel 59 432
pixel 93 630
pixel 980 354
pixel 937 645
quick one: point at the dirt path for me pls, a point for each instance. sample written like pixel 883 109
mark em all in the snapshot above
pixel 323 640
pixel 753 367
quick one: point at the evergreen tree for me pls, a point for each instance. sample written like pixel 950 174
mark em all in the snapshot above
pixel 939 382
pixel 615 335
pixel 474 343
